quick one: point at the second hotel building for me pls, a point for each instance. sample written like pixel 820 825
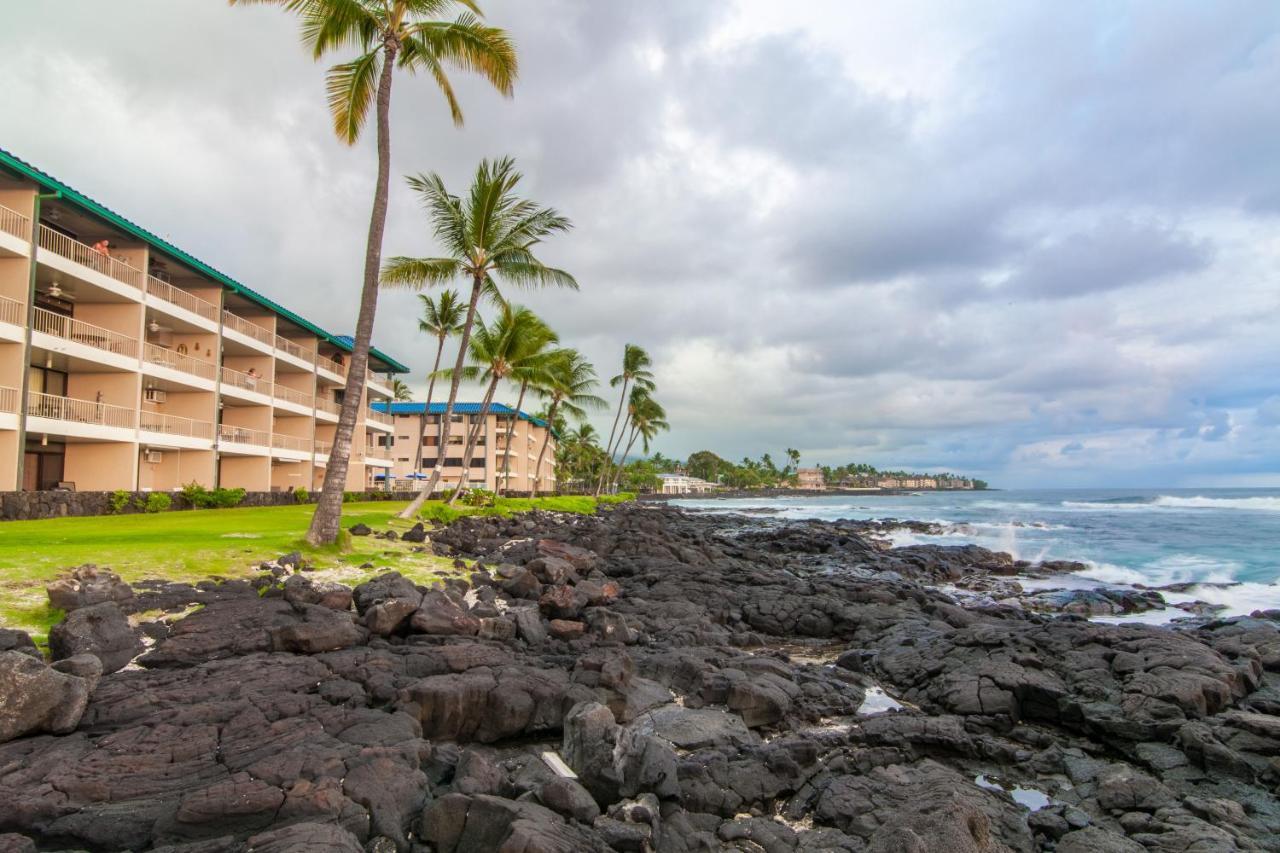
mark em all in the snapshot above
pixel 126 363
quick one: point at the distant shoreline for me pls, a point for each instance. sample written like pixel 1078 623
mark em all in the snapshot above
pixel 802 493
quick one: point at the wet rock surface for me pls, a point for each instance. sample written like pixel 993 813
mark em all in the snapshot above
pixel 641 680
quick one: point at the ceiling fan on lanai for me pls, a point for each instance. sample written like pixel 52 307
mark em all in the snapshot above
pixel 55 291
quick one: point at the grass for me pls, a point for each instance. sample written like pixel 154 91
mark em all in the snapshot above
pixel 228 543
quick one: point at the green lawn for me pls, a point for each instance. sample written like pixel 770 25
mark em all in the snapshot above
pixel 196 545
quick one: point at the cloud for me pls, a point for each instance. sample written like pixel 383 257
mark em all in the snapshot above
pixel 1034 245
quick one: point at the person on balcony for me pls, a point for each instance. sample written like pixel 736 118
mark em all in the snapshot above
pixel 252 378
pixel 103 247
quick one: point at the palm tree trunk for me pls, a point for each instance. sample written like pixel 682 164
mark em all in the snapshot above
pixel 327 519
pixel 472 435
pixel 426 407
pixel 506 457
pixel 617 475
pixel 446 419
pixel 546 439
pixel 609 446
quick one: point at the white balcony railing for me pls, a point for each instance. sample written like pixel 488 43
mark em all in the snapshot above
pixel 328 406
pixel 153 354
pixel 332 365
pixel 294 349
pixel 13 222
pixel 236 379
pixel 8 400
pixel 80 411
pixel 71 329
pixel 324 448
pixel 74 250
pixel 291 442
pixel 243 435
pixel 175 296
pixel 289 395
pixel 244 327
pixel 379 417
pixel 175 425
pixel 11 311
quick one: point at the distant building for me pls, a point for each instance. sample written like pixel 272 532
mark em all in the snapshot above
pixel 683 484
pixel 508 445
pixel 810 478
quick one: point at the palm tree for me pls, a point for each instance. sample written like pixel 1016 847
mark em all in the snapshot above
pixel 533 370
pixel 489 236
pixel 400 391
pixel 516 340
pixel 646 417
pixel 390 34
pixel 570 383
pixel 442 319
pixel 635 368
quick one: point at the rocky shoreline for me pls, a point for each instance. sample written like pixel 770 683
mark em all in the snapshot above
pixel 644 679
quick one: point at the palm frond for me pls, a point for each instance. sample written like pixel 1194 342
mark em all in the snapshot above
pixel 418 272
pixel 351 88
pixel 471 46
pixel 415 56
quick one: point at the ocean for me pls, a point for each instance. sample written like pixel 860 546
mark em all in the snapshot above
pixel 1226 542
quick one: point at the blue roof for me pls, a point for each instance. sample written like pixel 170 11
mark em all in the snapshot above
pixel 459 408
pixel 74 196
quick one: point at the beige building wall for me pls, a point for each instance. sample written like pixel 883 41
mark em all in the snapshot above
pixel 143 292
pixel 524 444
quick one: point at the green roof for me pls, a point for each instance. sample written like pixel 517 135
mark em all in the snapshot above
pixel 16 164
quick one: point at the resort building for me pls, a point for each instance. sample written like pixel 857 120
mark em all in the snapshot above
pixel 506 449
pixel 810 478
pixel 682 484
pixel 126 363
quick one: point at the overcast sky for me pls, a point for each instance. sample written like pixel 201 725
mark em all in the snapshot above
pixel 1031 242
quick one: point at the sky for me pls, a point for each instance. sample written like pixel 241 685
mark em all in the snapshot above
pixel 1034 243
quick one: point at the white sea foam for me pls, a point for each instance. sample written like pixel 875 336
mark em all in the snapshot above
pixel 1259 504
pixel 1176 502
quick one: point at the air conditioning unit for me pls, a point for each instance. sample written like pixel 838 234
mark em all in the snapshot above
pixel 154 395
pixel 152 457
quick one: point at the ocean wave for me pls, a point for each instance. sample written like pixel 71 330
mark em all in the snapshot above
pixel 1175 568
pixel 1260 504
pixel 1263 504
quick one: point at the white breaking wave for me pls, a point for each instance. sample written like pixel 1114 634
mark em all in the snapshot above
pixel 1176 568
pixel 1262 504
pixel 1258 504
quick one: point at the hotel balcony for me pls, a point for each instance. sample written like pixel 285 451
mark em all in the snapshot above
pixel 290 447
pixel 86 419
pixel 378 385
pixel 242 386
pixel 77 339
pixel 15 233
pixel 291 400
pixel 62 253
pixel 163 296
pixel 8 408
pixel 331 369
pixel 242 441
pixel 13 320
pixel 183 369
pixel 323 449
pixel 166 431
pixel 378 420
pixel 327 411
pixel 293 352
pixel 250 334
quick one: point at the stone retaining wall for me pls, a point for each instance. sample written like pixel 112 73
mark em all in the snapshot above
pixel 21 506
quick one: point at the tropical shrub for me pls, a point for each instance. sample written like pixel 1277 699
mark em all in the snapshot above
pixel 157 502
pixel 301 495
pixel 119 501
